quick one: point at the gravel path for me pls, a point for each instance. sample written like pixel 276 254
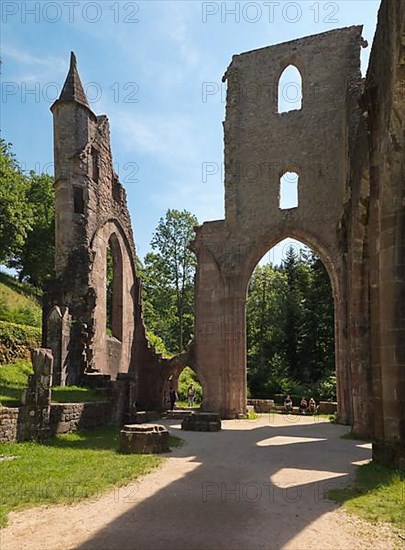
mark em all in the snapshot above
pixel 254 485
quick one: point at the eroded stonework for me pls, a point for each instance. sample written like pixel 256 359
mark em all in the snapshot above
pixel 346 144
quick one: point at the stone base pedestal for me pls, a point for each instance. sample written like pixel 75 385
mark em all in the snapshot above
pixel 144 438
pixel 389 454
pixel 201 422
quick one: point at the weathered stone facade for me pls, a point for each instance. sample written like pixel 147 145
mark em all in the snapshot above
pixel 260 146
pixel 91 215
pixel 11 424
pixel 347 145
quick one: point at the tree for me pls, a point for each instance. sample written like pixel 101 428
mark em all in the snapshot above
pixel 319 323
pixel 298 278
pixel 34 259
pixel 168 277
pixel 15 212
pixel 290 327
pixel 266 356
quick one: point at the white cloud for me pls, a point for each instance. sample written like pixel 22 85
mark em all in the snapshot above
pixel 32 68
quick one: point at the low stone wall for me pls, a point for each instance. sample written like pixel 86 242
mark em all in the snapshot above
pixel 261 405
pixel 10 424
pixel 327 407
pixel 70 417
pixel 64 418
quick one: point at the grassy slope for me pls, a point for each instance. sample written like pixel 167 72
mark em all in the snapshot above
pixel 19 302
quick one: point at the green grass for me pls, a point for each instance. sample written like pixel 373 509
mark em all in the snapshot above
pixel 378 494
pixel 75 394
pixel 13 379
pixel 184 405
pixel 175 442
pixel 19 302
pixel 66 469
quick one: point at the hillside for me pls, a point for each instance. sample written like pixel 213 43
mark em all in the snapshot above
pixel 20 319
pixel 19 302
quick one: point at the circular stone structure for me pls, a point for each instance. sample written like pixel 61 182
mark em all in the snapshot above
pixel 144 438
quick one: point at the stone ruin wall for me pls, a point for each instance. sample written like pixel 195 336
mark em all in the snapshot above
pixel 377 241
pixel 261 145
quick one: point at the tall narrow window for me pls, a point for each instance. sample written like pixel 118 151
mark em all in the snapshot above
pixel 290 90
pixel 78 200
pixel 114 289
pixel 94 164
pixel 288 190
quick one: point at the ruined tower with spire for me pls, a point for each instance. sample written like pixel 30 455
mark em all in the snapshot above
pixel 91 216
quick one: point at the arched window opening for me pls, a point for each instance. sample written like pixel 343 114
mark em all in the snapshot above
pixel 290 90
pixel 114 290
pixel 290 327
pixel 288 190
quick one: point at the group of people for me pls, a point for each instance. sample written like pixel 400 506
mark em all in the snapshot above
pixel 304 407
pixel 191 392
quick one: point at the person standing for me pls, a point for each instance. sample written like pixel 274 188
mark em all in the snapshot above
pixel 191 395
pixel 173 397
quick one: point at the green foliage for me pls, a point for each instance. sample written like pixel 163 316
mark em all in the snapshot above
pixel 109 290
pixel 157 344
pixel 290 329
pixel 26 220
pixel 168 281
pixel 66 469
pixel 34 260
pixel 186 378
pixel 377 496
pixel 16 341
pixel 16 215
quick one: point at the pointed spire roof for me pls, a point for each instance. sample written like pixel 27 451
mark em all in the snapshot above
pixel 73 89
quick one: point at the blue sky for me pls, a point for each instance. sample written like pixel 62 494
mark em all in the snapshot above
pixel 155 69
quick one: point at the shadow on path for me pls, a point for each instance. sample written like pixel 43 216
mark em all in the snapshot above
pixel 252 485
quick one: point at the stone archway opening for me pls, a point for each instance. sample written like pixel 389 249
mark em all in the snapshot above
pixel 290 326
pixel 190 397
pixel 114 289
pixel 181 381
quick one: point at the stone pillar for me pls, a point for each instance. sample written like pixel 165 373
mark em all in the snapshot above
pixel 37 397
pixel 234 391
pixel 57 339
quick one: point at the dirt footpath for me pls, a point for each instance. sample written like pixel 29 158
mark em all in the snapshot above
pixel 254 485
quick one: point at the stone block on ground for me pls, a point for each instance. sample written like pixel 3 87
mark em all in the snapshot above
pixel 201 422
pixel 327 407
pixel 261 405
pixel 144 438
